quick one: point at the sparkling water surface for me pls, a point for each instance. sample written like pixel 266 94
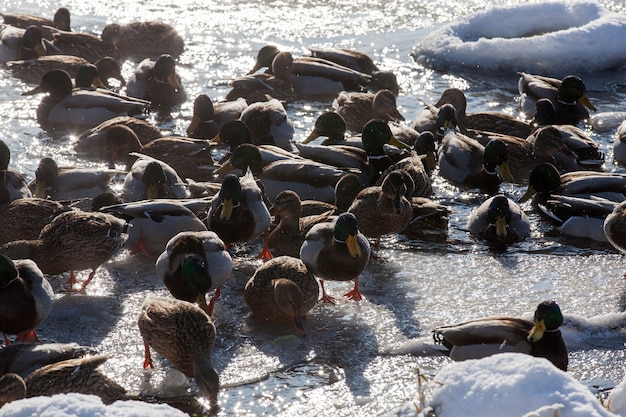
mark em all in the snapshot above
pixel 359 358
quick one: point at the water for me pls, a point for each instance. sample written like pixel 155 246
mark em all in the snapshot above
pixel 359 358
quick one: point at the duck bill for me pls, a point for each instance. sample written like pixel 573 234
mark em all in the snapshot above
pixel 314 135
pixel 153 191
pixel 501 227
pixel 536 333
pixel 528 194
pixel 193 125
pixel 298 325
pixel 201 301
pixel 36 90
pixel 430 161
pixel 173 82
pixel 40 50
pixel 353 246
pixel 226 167
pixel 216 139
pixel 40 190
pixel 585 100
pixel 398 143
pixel 97 82
pixel 227 209
pixel 505 172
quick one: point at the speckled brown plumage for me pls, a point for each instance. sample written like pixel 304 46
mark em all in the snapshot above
pixel 24 218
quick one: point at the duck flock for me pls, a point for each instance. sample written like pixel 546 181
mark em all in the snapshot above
pixel 239 178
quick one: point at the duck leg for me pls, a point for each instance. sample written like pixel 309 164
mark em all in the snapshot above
pixel 88 280
pixel 211 305
pixel 265 253
pixel 148 358
pixel 29 336
pixel 325 298
pixel 354 293
pixel 140 247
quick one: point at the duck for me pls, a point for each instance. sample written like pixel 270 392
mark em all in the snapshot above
pixel 239 212
pixel 18 44
pixel 619 145
pixel 427 119
pixel 568 95
pixel 483 337
pixel 153 223
pixel 358 108
pixel 193 264
pixel 79 109
pixel 150 178
pixel 61 20
pixel 309 179
pixel 190 158
pixel 465 162
pixel 499 220
pixel 414 167
pixel 545 145
pixel 282 290
pixel 336 251
pixel 614 227
pixel 287 237
pixel 208 119
pixel 430 220
pixel 26 298
pixel 183 334
pixel 268 123
pixel 157 82
pixel 331 125
pixel 89 77
pixel 578 202
pixel 92 142
pixel 30 71
pixel 81 375
pixel 346 190
pixel 146 39
pixel 24 358
pixel 13 184
pixel 351 58
pixel 383 209
pixel 72 241
pixel 276 83
pixel 70 183
pixel 235 132
pixel 24 218
pixel 85 45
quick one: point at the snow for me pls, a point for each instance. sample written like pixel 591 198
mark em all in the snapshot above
pixel 80 405
pixel 547 38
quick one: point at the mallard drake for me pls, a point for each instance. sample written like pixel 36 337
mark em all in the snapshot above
pixel 13 185
pixel 148 39
pixel 464 161
pixel 79 375
pixel 86 45
pixel 282 290
pixel 336 251
pixel 25 217
pixel 73 240
pixel 569 96
pixel 24 358
pixel 79 109
pixel 154 223
pixel 239 213
pixel 17 44
pixel 429 118
pixel 157 82
pixel 289 234
pixel 331 125
pixel 92 142
pixel 69 183
pixel 499 220
pixel 193 264
pixel 150 178
pixel 383 209
pixel 208 119
pixel 183 334
pixel 359 108
pixel 276 83
pixel 26 298
pixel 268 123
pixel 576 202
pixel 309 179
pixel 484 337
pixel 619 145
pixel 350 58
pixel 91 76
pixel 61 21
